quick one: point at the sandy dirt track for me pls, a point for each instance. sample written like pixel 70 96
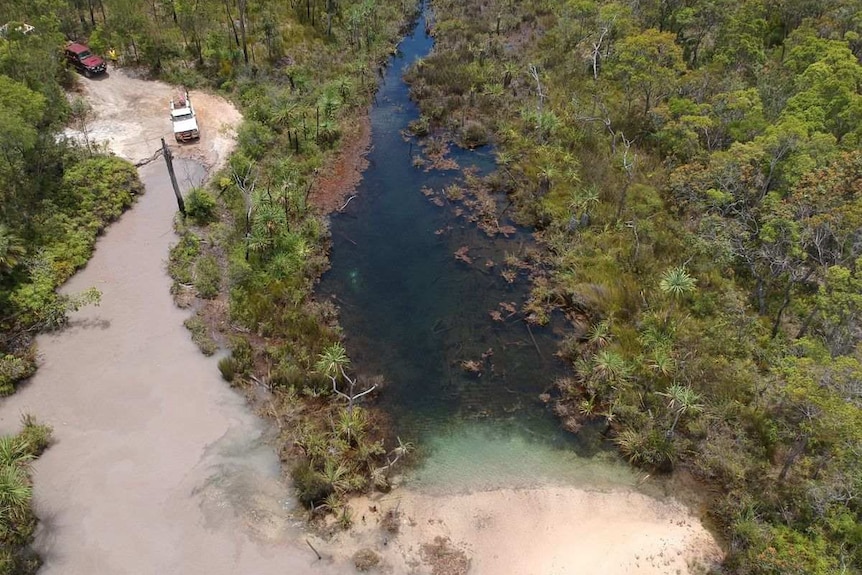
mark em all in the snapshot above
pixel 132 115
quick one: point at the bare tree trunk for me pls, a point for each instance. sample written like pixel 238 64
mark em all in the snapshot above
pixel 242 17
pixel 629 167
pixel 231 22
pixel 534 72
pixel 788 291
pixel 807 323
pixel 797 450
pixel 597 47
pixel 761 295
pixel 166 152
pixel 776 323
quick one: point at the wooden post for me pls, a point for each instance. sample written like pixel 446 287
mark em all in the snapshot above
pixel 166 152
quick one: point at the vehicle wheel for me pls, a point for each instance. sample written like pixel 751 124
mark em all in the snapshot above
pixel 87 73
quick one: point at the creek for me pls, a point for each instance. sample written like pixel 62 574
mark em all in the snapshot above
pixel 157 465
pixel 414 313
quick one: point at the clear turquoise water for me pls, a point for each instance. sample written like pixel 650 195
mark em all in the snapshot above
pixel 413 313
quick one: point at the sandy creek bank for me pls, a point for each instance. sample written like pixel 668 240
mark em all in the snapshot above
pixel 158 467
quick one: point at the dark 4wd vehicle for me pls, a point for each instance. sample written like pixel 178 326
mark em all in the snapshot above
pixel 85 61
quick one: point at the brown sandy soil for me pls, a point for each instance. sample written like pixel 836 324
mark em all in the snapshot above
pixel 339 177
pixel 132 115
pixel 544 531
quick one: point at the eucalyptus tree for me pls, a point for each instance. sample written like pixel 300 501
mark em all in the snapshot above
pixel 647 65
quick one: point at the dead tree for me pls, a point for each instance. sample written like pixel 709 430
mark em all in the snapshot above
pixel 629 165
pixel 351 396
pixel 246 184
pixel 534 72
pixel 597 47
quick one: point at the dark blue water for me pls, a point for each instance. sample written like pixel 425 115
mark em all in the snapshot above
pixel 413 313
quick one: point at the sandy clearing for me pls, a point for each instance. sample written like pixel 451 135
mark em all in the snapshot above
pixel 547 531
pixel 132 115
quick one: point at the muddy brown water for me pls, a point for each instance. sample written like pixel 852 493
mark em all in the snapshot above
pixel 158 466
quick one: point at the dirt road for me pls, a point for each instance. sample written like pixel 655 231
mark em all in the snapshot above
pixel 131 115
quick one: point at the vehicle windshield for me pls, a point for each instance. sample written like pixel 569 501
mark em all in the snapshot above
pixel 84 55
pixel 183 117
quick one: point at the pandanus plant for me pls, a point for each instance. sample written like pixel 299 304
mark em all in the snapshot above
pixel 333 363
pixel 681 399
pixel 677 283
pixel 11 249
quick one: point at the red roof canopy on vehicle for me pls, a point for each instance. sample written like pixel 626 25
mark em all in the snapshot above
pixel 77 48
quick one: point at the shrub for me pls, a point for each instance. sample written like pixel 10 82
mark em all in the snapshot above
pixel 200 206
pixel 419 127
pixel 650 448
pixel 17 521
pixel 14 369
pixel 243 354
pixel 200 335
pixel 182 256
pixel 311 488
pixel 255 139
pixel 18 562
pixel 36 435
pixel 474 135
pixel 288 375
pixel 227 366
pixel 365 559
pixel 99 189
pixel 207 277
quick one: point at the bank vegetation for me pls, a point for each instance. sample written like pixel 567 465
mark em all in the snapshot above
pixel 692 170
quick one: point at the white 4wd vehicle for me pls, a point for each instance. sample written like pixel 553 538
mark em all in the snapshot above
pixel 183 118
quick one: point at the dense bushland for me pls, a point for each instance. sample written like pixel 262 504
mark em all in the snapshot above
pixel 692 170
pixel 56 197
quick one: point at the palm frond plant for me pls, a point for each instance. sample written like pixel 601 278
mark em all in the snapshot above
pixel 599 334
pixel 681 399
pixel 14 451
pixel 336 475
pixel 15 494
pixel 11 249
pixel 677 283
